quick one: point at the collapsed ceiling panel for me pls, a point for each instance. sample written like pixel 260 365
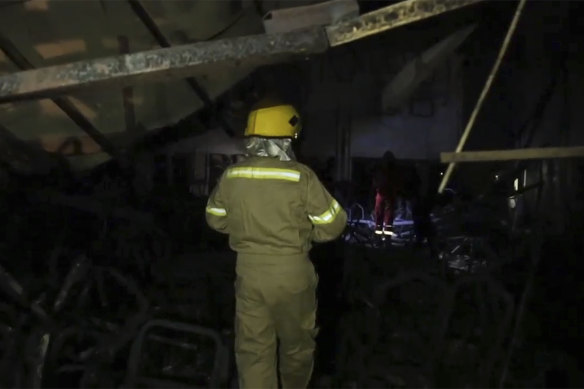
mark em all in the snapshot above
pixel 48 32
pixel 58 33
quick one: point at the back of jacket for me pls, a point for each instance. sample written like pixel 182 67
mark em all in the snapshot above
pixel 268 206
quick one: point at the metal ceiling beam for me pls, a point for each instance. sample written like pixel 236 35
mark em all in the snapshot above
pixel 204 57
pixel 63 103
pixel 390 17
pixel 161 64
pixel 201 93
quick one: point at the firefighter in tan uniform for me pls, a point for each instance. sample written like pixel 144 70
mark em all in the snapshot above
pixel 273 208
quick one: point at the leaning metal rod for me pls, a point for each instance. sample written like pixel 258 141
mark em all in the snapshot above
pixel 484 93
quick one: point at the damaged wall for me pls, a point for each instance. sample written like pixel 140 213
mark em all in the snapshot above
pixel 349 83
pixel 534 102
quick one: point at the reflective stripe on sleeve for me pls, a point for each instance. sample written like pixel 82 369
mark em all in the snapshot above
pixel 328 216
pixel 216 211
pixel 259 173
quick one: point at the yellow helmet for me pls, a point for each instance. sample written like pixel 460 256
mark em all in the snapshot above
pixel 274 121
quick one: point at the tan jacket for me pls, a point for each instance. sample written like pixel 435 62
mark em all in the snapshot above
pixel 268 206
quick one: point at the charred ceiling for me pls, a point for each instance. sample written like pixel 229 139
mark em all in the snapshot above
pixel 110 276
pixel 138 69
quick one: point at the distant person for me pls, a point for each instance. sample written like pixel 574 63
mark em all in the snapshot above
pixel 386 182
pixel 273 208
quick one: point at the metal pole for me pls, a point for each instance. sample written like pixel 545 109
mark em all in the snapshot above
pixel 201 93
pixel 63 103
pixel 484 93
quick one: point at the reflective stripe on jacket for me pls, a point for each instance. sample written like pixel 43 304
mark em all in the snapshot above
pixel 268 206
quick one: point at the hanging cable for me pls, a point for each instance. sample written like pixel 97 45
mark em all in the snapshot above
pixel 227 27
pixel 484 93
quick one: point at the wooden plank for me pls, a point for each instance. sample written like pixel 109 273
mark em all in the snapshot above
pixel 513 155
pixel 393 16
pixel 486 88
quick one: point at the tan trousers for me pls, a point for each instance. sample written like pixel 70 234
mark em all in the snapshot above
pixel 275 301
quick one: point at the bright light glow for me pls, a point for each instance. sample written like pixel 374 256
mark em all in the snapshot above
pixel 83 108
pixel 36 5
pixel 496 177
pixel 67 144
pixel 61 48
pixel 49 108
pixel 110 43
pixel 516 184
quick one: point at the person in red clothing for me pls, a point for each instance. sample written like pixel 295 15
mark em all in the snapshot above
pixel 386 183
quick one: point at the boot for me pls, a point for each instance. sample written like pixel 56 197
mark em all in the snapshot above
pixel 388 230
pixel 378 230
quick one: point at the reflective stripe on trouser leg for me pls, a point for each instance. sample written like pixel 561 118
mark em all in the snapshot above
pixel 255 338
pixel 379 212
